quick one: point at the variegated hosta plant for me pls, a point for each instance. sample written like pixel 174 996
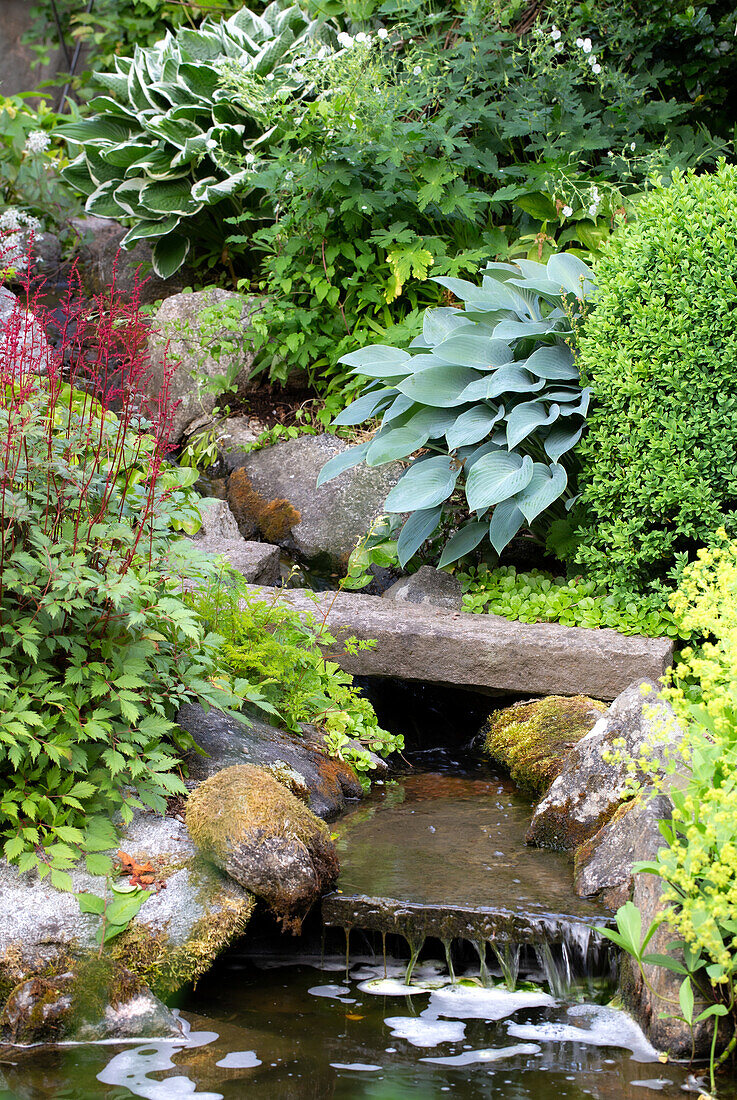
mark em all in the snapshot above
pixel 169 147
pixel 488 401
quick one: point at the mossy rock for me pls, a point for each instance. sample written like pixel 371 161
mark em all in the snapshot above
pixel 531 739
pixel 265 838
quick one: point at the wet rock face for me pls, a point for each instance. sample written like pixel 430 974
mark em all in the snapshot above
pixel 428 585
pixel 321 525
pixel 531 739
pixel 37 1010
pixel 260 834
pixel 592 784
pixel 299 762
pixel 103 259
pixel 203 349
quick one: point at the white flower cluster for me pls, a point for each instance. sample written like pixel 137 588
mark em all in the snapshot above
pixel 37 141
pixel 585 44
pixel 15 229
pixel 595 201
pixel 556 35
pixel 361 39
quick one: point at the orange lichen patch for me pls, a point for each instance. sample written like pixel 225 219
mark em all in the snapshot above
pixel 140 874
pixel 274 518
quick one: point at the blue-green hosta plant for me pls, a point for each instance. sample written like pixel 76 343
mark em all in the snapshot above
pixel 169 146
pixel 487 400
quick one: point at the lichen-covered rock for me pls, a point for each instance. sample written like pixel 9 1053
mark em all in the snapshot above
pixel 176 936
pixel 265 838
pixel 603 864
pixel 301 762
pixel 38 1009
pixel 595 776
pixel 427 585
pixel 331 519
pixel 530 740
pixel 207 336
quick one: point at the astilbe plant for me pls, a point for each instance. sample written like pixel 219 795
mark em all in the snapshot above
pixel 97 650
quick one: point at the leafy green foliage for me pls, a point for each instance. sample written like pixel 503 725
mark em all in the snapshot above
pixel 659 352
pixel 539 597
pixel 116 912
pixel 280 650
pixel 165 146
pixel 490 397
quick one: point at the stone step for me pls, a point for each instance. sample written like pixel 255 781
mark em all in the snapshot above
pixel 484 653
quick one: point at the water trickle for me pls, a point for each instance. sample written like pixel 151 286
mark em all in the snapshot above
pixel 447 947
pixel 507 955
pixel 484 974
pixel 416 943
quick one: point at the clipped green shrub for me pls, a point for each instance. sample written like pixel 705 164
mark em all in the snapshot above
pixel 487 399
pixel 659 460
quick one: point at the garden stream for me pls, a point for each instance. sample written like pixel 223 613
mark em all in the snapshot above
pixel 450 959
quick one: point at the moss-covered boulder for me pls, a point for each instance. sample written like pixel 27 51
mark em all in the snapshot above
pixel 531 739
pixel 265 838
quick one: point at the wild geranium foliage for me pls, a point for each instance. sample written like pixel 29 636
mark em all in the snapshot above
pixel 97 652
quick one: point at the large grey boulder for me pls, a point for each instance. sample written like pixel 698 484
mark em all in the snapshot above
pixel 265 838
pixel 103 260
pixel 300 762
pixel 175 937
pixel 483 652
pixel 595 776
pixel 205 335
pixel 427 585
pixel 258 562
pixel 275 490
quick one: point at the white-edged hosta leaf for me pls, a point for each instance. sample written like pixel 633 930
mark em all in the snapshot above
pixel 560 439
pixel 440 386
pixel 102 202
pixel 95 131
pixel 438 323
pixel 365 407
pixel 545 486
pixel 209 190
pixel 473 425
pixel 345 460
pixel 471 350
pixel 169 253
pixel 495 477
pixel 419 526
pixel 463 542
pixel 554 362
pixel 395 444
pixel 526 417
pixel 424 485
pixel 169 197
pixel 507 379
pixel 506 520
pixel 572 274
pixel 143 230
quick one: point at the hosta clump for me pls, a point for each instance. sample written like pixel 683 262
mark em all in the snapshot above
pixel 490 396
pixel 167 146
pixel 97 650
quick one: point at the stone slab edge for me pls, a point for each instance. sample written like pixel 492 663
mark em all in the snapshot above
pixel 481 652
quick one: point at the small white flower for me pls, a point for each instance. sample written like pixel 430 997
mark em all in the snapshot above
pixel 596 69
pixel 595 193
pixel 289 175
pixel 364 207
pixel 591 59
pixel 330 211
pixel 579 43
pixel 610 153
pixel 593 210
pixel 250 158
pixel 586 45
pixel 345 40
pixel 383 33
pixel 362 37
pixel 37 142
pixel 558 47
pixel 555 34
pixel 633 146
pixel 269 76
pixel 417 70
pixel 322 53
pixel 567 211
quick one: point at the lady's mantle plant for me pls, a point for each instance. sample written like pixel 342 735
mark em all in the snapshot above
pixel 487 400
pixel 97 652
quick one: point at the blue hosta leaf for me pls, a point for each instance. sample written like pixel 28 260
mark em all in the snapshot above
pixel 440 386
pixel 566 395
pixel 560 439
pixel 169 253
pixel 433 421
pixel 554 362
pixel 581 408
pixel 545 486
pixel 346 460
pixel 399 406
pixel 519 330
pixel 376 355
pixel 525 418
pixel 571 274
pixel 471 350
pixel 418 527
pixel 463 542
pixel 469 456
pixel 473 425
pixel 507 379
pixel 366 406
pixel 424 485
pixel 395 444
pixel 505 522
pixel 438 323
pixel 495 477
pixel 483 299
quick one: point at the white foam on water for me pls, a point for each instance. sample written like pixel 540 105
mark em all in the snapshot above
pixel 130 1069
pixel 240 1059
pixel 474 1002
pixel 608 1027
pixel 357 1067
pixel 469 1057
pixel 657 1084
pixel 336 992
pixel 392 987
pixel 425 1033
